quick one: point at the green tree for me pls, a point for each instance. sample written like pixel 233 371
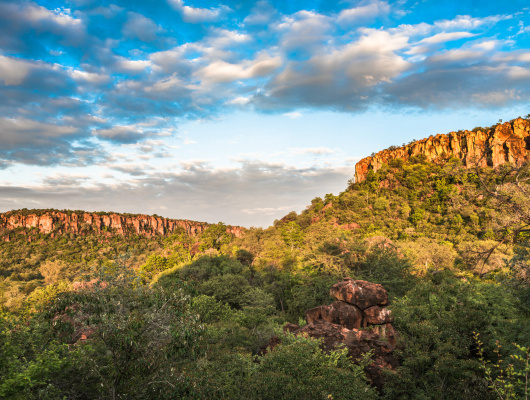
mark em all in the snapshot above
pixel 292 235
pixel 138 335
pixel 299 369
pixel 214 237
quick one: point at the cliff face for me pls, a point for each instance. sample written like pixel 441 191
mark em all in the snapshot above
pixel 507 143
pixel 58 222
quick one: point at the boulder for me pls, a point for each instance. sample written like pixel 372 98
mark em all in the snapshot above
pixel 376 315
pixel 332 335
pixel 380 340
pixel 360 293
pixel 359 304
pixel 338 312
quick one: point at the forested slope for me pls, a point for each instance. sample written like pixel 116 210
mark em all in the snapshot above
pixel 186 316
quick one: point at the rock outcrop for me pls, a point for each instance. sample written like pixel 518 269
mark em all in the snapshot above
pixel 55 222
pixel 507 143
pixel 359 321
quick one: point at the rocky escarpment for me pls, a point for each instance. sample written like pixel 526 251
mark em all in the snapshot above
pixel 55 222
pixel 507 143
pixel 359 321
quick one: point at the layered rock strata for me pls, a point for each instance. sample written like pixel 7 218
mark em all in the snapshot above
pixel 59 222
pixel 507 143
pixel 359 321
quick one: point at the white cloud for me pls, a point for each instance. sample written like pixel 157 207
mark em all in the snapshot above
pixel 13 71
pixel 222 38
pixel 468 22
pixel 340 75
pixel 166 84
pixel 304 30
pixel 371 10
pixel 61 16
pixel 91 77
pixel 133 65
pixel 496 98
pixel 222 71
pixel 241 100
pixel 261 14
pixel 196 15
pixel 17 131
pixel 446 37
pixel 120 133
pixel 517 72
pixel 293 115
pixel 141 27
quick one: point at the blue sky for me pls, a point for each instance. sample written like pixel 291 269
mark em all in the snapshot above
pixel 238 111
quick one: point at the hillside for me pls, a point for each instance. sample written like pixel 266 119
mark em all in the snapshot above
pixel 76 241
pixel 494 146
pixel 427 260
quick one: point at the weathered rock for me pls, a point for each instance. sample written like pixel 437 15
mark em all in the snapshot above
pixel 52 221
pixel 360 293
pixel 508 142
pixel 338 312
pixel 380 340
pixel 386 331
pixel 360 304
pixel 376 315
pixel 332 335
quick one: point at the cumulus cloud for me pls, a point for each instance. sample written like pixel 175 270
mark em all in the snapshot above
pixel 25 16
pixel 446 37
pixel 304 31
pixel 343 77
pixel 197 15
pixel 241 100
pixel 468 22
pixel 42 143
pixel 221 71
pixel 124 64
pixel 92 77
pixel 262 13
pixel 141 27
pixel 98 73
pixel 357 14
pixel 293 115
pixel 120 134
pixel 13 71
pixel 133 169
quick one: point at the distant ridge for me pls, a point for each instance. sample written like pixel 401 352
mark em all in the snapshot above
pixel 55 222
pixel 503 143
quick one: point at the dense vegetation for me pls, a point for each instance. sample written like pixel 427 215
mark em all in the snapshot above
pixel 186 317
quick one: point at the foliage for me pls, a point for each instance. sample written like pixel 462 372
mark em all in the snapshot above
pixel 436 322
pixel 509 381
pixel 296 369
pixel 184 317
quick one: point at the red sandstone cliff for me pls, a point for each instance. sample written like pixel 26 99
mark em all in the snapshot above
pixel 59 222
pixel 507 143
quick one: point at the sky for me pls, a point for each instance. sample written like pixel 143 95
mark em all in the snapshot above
pixel 239 111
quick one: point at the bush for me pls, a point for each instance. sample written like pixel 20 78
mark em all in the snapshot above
pixel 437 323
